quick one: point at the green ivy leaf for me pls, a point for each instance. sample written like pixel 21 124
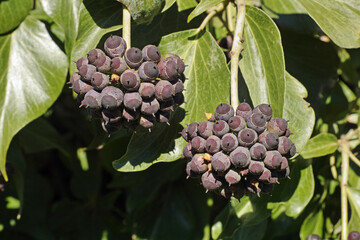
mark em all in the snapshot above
pixel 143 11
pixel 186 4
pixel 339 19
pixel 202 7
pixel 262 64
pixel 320 145
pixel 32 74
pixel 12 13
pixel 284 6
pixel 205 88
pixel 168 4
pixel 354 199
pixel 313 224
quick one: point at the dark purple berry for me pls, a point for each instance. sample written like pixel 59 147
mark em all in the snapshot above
pixel 287 132
pixel 82 61
pixel 313 237
pixel 189 172
pixel 81 87
pixel 130 80
pixel 354 235
pixel 213 144
pixel 163 116
pixel 277 126
pixel 265 175
pixel 164 90
pixel 210 181
pixel 168 69
pixel 150 107
pixel 198 144
pixel 132 100
pixel 178 86
pixel 179 99
pixel 73 77
pixel 86 72
pixel 244 110
pixel 167 105
pixel 94 55
pixel 99 81
pixel 151 53
pixel 265 110
pixel 111 116
pixel 240 157
pixel 257 151
pixel 247 137
pixel 220 128
pixel 197 164
pixel 115 46
pixel 147 121
pixel 284 163
pixel 147 90
pixel 292 151
pixel 179 62
pixel 148 71
pixel 92 99
pixel 130 115
pixel 236 123
pixel 224 112
pixel 229 142
pixel 273 160
pixel 269 140
pixel 256 167
pixel 205 129
pixel 257 122
pixel 188 152
pixel 232 177
pixel 192 129
pixel 220 162
pixel 284 145
pixel 103 64
pixel 111 97
pixel 184 134
pixel 133 57
pixel 118 65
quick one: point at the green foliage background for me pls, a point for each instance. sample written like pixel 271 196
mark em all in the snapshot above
pixel 67 180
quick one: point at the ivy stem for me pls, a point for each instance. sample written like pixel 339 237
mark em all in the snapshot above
pixel 211 13
pixel 126 31
pixel 343 186
pixel 236 49
pixel 354 158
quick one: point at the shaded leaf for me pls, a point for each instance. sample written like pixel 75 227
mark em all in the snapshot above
pixel 27 94
pixel 262 64
pixel 12 13
pixel 339 19
pixel 205 88
pixel 255 232
pixel 143 11
pixel 313 224
pixel 202 7
pixel 185 4
pixel 320 145
pixel 354 199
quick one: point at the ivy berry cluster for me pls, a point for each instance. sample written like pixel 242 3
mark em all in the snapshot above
pixel 238 153
pixel 128 87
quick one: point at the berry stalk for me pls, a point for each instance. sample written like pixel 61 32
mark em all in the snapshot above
pixel 236 49
pixel 126 31
pixel 343 186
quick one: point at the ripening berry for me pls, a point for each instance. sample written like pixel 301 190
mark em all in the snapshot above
pixel 313 237
pixel 257 122
pixel 73 77
pixel 243 110
pixel 266 188
pixel 265 110
pixel 247 137
pixel 147 121
pixel 210 181
pixel 292 151
pixel 147 90
pixel 212 144
pixel 115 46
pixel 151 53
pixel 111 116
pixel 354 235
pixel 163 90
pixel 133 57
pixel 189 172
pixel 284 173
pixel 184 134
pixel 236 123
pixel 150 107
pixel 82 61
pixel 99 81
pixel 179 62
pixel 257 151
pixel 197 164
pixel 277 126
pixel 240 157
pixel 130 80
pixel 148 71
pixel 229 142
pixel 118 65
pixel 92 99
pixel 111 97
pixel 130 115
pixel 81 87
pixel 179 99
pixel 167 105
pixel 198 144
pixel 265 175
pixel 163 116
pixel 273 160
pixel 205 129
pixel 192 130
pixel 269 140
pixel 178 86
pixel 132 100
pixel 220 162
pixel 232 177
pixel 284 163
pixel 103 64
pixel 224 112
pixel 86 72
pixel 287 132
pixel 188 152
pixel 220 128
pixel 256 167
pixel 168 69
pixel 94 55
pixel 284 145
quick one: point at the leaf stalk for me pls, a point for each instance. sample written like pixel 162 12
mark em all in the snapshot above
pixel 126 31
pixel 211 13
pixel 343 187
